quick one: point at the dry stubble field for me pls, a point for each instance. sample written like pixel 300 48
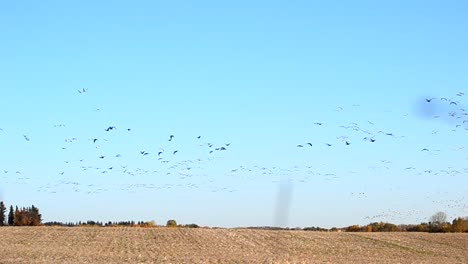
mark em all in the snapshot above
pixel 177 245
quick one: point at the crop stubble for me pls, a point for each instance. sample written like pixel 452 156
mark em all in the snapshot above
pixel 204 245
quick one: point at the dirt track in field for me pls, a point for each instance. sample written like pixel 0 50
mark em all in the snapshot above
pixel 180 245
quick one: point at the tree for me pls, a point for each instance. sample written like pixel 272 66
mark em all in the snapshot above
pixel 459 225
pixel 11 216
pixel 171 223
pixel 438 223
pixel 438 218
pixel 2 213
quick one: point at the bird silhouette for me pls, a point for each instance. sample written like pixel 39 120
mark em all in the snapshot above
pixel 310 144
pixel 110 128
pixel 26 137
pixel 300 146
pixel 171 137
pixel 175 151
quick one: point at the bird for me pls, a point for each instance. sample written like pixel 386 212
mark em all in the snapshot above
pixel 171 137
pixel 101 157
pixel 318 123
pixel 110 128
pixel 26 137
pixel 424 149
pixel 310 144
pixel 160 152
pixel 429 100
pixel 347 143
pixel 199 137
pixel 328 144
pixel 227 144
pixel 175 151
pixel 300 146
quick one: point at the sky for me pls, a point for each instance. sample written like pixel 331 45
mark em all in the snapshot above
pixel 243 87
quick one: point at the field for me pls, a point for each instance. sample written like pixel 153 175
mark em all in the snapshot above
pixel 203 245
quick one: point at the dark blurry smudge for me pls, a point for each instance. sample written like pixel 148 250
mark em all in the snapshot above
pixel 283 204
pixel 440 110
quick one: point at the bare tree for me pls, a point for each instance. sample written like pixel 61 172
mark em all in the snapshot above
pixel 438 218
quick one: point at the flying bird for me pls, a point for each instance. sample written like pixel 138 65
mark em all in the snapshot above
pixel 26 137
pixel 310 144
pixel 318 123
pixel 171 137
pixel 300 146
pixel 175 151
pixel 110 128
pixel 428 100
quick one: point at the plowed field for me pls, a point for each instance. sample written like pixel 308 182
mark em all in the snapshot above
pixel 180 245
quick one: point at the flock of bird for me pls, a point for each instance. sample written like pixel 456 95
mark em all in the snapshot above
pixel 186 170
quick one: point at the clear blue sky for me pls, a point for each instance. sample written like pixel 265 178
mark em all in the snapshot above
pixel 255 74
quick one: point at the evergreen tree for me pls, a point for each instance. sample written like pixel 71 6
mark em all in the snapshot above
pixel 2 213
pixel 11 216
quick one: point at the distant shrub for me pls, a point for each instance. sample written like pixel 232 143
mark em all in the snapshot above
pixel 171 223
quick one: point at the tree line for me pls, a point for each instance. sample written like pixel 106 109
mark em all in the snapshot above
pixel 30 216
pixel 25 216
